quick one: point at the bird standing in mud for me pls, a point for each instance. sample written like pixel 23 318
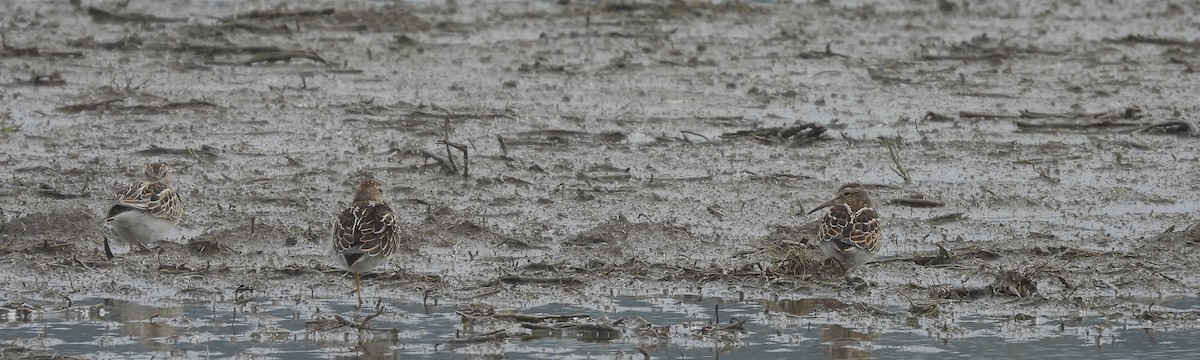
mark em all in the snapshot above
pixel 850 230
pixel 146 211
pixel 366 233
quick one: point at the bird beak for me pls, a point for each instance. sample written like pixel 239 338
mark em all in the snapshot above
pixel 825 205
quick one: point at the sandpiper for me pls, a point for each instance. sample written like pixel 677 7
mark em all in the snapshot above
pixel 850 231
pixel 366 233
pixel 147 210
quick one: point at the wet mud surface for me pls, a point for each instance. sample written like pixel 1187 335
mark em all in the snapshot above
pixel 1033 163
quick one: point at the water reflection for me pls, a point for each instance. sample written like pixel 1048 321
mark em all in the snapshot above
pixel 122 329
pixel 374 348
pixel 839 342
pixel 804 307
pixel 844 343
pixel 144 323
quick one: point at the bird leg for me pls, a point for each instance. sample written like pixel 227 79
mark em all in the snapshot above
pixel 358 288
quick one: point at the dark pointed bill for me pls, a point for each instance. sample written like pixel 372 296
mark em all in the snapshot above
pixel 825 205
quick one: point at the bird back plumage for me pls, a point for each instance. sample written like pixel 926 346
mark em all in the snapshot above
pixel 851 228
pixel 154 197
pixel 365 229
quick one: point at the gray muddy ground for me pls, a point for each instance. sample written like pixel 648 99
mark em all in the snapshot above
pixel 1050 149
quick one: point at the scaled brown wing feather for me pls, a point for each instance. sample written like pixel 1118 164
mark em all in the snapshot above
pixel 155 197
pixel 866 233
pixel 852 228
pixel 370 229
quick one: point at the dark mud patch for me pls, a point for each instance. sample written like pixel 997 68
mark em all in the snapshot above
pixel 60 232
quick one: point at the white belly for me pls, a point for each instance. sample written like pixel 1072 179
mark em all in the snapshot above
pixel 140 227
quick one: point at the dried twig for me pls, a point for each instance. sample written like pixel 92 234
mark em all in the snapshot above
pixel 285 56
pixel 981 115
pixel 446 137
pixel 897 167
pixel 105 16
pixel 1182 126
pixel 917 203
pixel 363 325
pixel 503 147
pixel 693 133
pixel 342 322
pixel 1044 174
pixel 447 165
pixel 466 160
pixel 495 335
pixel 270 14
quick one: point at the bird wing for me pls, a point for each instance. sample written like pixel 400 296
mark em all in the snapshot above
pixel 852 229
pixel 367 228
pixel 154 197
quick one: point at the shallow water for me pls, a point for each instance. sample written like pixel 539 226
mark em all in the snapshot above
pixel 773 330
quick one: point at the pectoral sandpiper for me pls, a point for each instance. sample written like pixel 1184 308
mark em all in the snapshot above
pixel 366 233
pixel 147 210
pixel 850 232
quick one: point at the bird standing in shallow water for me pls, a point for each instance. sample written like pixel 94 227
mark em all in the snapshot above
pixel 146 211
pixel 366 233
pixel 850 231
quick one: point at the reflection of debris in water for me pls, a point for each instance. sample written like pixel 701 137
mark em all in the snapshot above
pixel 843 343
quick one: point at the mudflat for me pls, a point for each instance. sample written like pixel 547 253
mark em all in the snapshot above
pixel 1027 160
